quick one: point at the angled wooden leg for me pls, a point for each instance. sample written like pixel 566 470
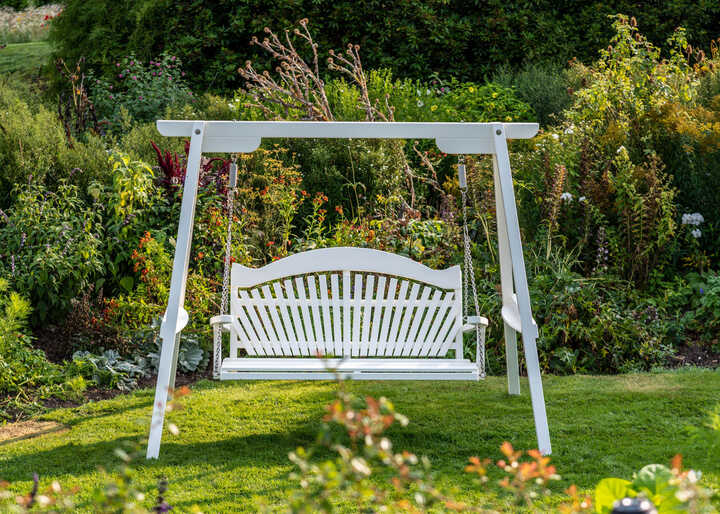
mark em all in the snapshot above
pixel 511 360
pixel 169 329
pixel 509 217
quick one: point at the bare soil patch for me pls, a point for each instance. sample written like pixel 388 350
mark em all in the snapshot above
pixel 25 429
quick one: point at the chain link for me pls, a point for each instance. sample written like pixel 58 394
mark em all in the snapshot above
pixel 469 276
pixel 217 330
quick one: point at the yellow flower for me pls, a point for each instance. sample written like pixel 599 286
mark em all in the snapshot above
pixel 494 95
pixel 471 89
pixel 433 108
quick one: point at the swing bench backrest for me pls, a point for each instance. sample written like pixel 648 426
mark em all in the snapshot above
pixel 346 302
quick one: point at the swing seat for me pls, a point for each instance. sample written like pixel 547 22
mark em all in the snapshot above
pixel 356 313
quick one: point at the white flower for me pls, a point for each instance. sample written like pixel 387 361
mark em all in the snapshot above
pixel 696 233
pixel 555 137
pixel 569 131
pixel 621 149
pixel 428 92
pixel 582 199
pixel 694 219
pixel 419 93
pixel 420 103
pixel 566 197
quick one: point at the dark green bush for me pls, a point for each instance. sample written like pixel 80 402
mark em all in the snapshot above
pixel 543 86
pixel 466 39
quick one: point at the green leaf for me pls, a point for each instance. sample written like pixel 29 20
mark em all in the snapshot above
pixel 654 478
pixel 608 491
pixel 127 283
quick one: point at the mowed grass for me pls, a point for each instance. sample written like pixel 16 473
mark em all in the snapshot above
pixel 24 57
pixel 231 453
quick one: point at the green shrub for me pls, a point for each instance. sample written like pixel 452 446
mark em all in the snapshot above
pixel 544 86
pixel 463 39
pixel 140 91
pixel 33 148
pixel 51 243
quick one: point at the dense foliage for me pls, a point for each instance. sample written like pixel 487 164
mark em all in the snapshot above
pixel 467 39
pixel 614 196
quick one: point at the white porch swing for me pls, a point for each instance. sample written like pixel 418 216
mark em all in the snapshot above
pixel 371 315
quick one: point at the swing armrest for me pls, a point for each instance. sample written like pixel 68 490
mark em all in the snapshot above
pixel 473 321
pixel 224 320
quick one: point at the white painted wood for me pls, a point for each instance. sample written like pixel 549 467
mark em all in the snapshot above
pixel 348 364
pixel 410 346
pixel 501 157
pixel 366 310
pixel 178 282
pixel 246 136
pixel 271 325
pixel 362 260
pixel 378 308
pixel 511 360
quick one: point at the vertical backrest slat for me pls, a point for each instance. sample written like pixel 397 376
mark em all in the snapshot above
pixel 367 303
pixel 377 316
pixel 326 316
pixel 337 314
pixel 286 297
pixel 410 308
pixel 246 334
pixel 446 333
pixel 309 329
pixel 400 304
pixel 265 337
pixel 268 315
pixel 453 336
pixel 346 303
pixel 432 309
pixel 356 315
pixel 388 301
pixel 410 345
pixel 442 310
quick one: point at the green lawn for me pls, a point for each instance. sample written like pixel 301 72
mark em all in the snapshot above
pixel 24 57
pixel 235 437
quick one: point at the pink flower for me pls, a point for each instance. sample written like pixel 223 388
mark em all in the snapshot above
pixel 117 64
pixel 132 63
pixel 134 77
pixel 140 98
pixel 182 74
pixel 154 73
pixel 120 75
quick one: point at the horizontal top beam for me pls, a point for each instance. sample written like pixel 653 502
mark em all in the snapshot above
pixel 245 136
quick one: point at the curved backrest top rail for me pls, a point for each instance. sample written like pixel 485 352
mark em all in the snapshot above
pixel 344 258
pixel 245 136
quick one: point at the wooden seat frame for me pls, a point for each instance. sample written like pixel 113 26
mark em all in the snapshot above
pixel 451 138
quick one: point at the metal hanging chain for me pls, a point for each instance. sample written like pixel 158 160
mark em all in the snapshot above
pixel 469 271
pixel 224 299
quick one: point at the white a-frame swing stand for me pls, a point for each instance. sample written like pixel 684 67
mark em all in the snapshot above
pixel 451 138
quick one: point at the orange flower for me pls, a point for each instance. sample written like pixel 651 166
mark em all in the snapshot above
pixel 201 255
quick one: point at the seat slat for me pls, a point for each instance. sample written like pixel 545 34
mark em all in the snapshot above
pixel 377 365
pixel 311 336
pixel 346 303
pixel 293 328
